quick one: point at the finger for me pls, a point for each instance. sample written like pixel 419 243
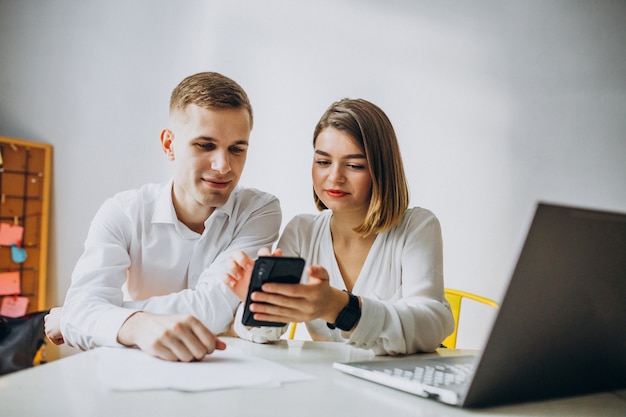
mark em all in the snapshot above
pixel 231 266
pixel 232 280
pixel 208 340
pixel 54 339
pixel 318 272
pixel 288 290
pixel 242 259
pixel 161 350
pixel 273 298
pixel 57 340
pixel 180 342
pixel 278 318
pixel 236 272
pixel 264 252
pixel 277 252
pixel 269 312
pixel 186 347
pixel 287 305
pixel 237 266
pixel 275 319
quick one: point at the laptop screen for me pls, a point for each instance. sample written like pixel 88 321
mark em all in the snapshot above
pixel 560 328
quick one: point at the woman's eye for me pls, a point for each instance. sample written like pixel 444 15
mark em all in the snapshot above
pixel 322 163
pixel 356 166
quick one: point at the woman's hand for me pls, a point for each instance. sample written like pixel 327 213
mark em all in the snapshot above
pixel 299 302
pixel 238 275
pixel 240 271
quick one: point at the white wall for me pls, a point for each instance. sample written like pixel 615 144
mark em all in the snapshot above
pixel 497 104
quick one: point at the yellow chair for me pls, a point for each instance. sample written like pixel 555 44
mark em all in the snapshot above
pixel 455 297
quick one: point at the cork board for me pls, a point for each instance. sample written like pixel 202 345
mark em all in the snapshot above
pixel 25 170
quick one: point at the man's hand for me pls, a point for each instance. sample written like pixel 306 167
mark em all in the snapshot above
pixel 52 325
pixel 169 337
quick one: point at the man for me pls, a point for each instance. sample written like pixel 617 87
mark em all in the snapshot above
pixel 155 259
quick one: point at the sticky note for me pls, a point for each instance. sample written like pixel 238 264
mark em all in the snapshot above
pixel 9 283
pixel 14 306
pixel 18 255
pixel 10 234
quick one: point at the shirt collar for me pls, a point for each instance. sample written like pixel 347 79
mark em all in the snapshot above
pixel 164 205
pixel 229 205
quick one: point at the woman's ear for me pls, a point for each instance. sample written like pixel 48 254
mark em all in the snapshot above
pixel 167 143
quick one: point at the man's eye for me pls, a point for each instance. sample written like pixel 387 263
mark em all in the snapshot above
pixel 237 150
pixel 205 146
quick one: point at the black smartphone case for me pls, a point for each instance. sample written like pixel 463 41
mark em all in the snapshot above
pixel 271 269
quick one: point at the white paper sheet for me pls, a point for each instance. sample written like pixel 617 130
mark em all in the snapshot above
pixel 124 369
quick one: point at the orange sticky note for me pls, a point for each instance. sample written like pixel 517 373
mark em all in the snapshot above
pixel 9 283
pixel 11 234
pixel 14 306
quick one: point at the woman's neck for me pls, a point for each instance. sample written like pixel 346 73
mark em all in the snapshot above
pixel 342 225
pixel 350 248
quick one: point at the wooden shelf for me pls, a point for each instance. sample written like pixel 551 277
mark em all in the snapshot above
pixel 25 178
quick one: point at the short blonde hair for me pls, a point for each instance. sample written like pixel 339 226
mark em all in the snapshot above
pixel 209 90
pixel 374 133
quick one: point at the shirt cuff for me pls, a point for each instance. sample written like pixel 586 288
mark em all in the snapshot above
pixel 256 334
pixel 369 327
pixel 108 326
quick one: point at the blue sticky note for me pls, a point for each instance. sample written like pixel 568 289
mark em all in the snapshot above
pixel 18 254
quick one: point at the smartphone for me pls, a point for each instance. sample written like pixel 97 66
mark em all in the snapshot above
pixel 271 269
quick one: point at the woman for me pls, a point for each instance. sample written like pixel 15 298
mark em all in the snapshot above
pixel 375 276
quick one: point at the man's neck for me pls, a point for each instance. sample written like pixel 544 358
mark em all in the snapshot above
pixel 192 215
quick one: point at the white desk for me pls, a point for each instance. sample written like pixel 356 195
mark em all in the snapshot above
pixel 68 387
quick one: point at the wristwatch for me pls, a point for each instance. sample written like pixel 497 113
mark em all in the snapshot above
pixel 349 316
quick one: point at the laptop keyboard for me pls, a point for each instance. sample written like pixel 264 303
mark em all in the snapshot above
pixel 437 375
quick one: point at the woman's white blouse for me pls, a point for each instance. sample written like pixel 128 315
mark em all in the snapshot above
pixel 400 285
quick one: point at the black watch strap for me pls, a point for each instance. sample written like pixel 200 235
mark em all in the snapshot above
pixel 349 316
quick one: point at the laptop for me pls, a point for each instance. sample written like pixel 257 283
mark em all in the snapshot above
pixel 560 330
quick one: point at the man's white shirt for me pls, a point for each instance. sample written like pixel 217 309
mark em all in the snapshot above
pixel 139 257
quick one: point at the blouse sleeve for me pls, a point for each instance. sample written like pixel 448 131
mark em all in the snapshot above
pixel 420 318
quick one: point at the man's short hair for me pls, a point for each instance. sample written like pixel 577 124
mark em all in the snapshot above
pixel 209 90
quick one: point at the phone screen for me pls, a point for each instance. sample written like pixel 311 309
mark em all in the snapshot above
pixel 281 269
